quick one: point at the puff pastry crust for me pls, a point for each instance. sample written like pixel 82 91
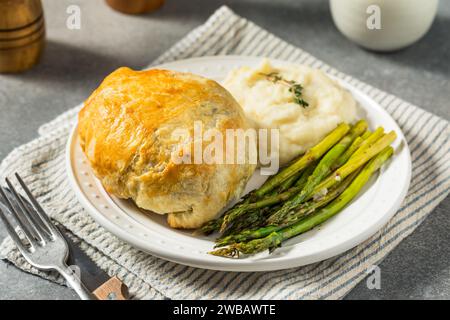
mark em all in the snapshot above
pixel 126 131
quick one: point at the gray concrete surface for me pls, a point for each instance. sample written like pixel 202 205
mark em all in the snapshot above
pixel 76 60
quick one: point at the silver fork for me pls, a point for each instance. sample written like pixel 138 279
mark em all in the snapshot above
pixel 46 248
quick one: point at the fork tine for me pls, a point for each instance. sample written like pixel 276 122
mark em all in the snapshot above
pixel 10 228
pixel 37 219
pixel 44 217
pixel 33 223
pixel 22 224
pixel 28 206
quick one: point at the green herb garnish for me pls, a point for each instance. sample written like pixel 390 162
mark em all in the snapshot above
pixel 294 87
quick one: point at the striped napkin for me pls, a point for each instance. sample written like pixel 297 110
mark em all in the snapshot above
pixel 41 163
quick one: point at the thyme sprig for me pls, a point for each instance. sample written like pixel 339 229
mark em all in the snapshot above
pixel 294 87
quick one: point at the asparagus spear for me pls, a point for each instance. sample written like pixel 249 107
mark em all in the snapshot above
pixel 274 197
pixel 277 197
pixel 374 137
pixel 210 227
pixel 349 152
pixel 323 200
pixel 301 182
pixel 293 217
pixel 255 213
pixel 252 217
pixel 310 156
pixel 214 225
pixel 236 209
pixel 322 170
pixel 297 180
pixel 289 182
pixel 271 200
pixel 366 134
pixel 247 235
pixel 232 215
pixel 250 221
pixel 356 162
pixel 274 239
pixel 241 209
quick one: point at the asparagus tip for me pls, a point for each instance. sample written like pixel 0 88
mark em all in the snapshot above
pixel 229 252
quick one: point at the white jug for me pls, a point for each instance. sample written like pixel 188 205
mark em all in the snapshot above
pixel 383 25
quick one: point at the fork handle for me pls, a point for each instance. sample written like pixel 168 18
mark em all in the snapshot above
pixel 75 283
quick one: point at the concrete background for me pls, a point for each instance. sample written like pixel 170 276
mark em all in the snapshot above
pixel 75 62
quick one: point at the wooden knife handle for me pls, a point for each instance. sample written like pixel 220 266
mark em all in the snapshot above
pixel 113 289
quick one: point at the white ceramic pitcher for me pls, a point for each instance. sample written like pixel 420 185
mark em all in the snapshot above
pixel 383 25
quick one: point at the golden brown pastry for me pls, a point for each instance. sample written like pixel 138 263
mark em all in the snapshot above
pixel 126 131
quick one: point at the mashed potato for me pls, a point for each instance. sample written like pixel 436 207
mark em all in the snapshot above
pixel 271 105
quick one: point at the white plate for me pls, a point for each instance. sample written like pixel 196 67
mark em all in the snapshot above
pixel 358 221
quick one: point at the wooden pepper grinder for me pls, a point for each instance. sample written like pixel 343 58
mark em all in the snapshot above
pixel 135 6
pixel 22 34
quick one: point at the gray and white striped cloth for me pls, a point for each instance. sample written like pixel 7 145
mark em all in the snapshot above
pixel 41 162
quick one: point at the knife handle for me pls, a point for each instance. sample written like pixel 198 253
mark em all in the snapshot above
pixel 113 289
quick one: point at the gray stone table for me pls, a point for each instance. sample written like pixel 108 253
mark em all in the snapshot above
pixel 76 60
